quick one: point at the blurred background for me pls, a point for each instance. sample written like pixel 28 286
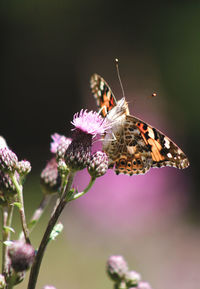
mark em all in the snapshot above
pixel 49 50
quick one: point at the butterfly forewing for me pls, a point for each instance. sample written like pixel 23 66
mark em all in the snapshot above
pixel 103 94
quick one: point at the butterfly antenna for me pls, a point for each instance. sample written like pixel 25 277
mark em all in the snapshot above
pixel 118 74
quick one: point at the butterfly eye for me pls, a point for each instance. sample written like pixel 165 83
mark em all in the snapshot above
pixel 134 163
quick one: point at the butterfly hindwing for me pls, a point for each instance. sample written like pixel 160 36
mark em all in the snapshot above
pixel 103 94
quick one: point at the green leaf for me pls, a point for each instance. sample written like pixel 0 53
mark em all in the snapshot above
pixel 8 243
pixel 56 231
pixel 17 204
pixel 32 223
pixel 10 229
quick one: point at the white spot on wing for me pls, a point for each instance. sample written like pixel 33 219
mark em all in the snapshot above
pixel 167 143
pixel 169 155
pixel 151 133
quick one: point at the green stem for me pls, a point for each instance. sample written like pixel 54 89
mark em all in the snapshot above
pixel 4 237
pixel 78 195
pixel 12 281
pixel 37 214
pixel 38 258
pixel 7 220
pixel 21 208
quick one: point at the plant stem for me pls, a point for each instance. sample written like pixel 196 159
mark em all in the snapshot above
pixel 78 195
pixel 38 258
pixel 37 214
pixel 21 208
pixel 4 237
pixel 7 220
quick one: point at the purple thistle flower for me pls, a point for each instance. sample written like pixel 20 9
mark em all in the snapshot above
pixel 57 140
pixel 8 160
pixel 117 268
pixel 90 122
pixel 21 255
pixel 62 147
pixel 23 167
pixel 98 164
pixel 87 126
pixel 132 278
pixel 7 188
pixel 50 178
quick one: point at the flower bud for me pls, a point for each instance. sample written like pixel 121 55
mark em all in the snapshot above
pixel 49 287
pixel 2 282
pixel 62 147
pixel 98 164
pixel 50 179
pixel 23 168
pixel 57 140
pixel 7 189
pixel 21 255
pixel 77 156
pixel 8 160
pixel 132 278
pixel 117 268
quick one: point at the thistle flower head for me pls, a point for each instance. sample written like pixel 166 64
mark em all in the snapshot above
pixel 23 167
pixel 98 164
pixel 21 255
pixel 8 160
pixel 7 189
pixel 57 139
pixel 132 278
pixel 77 156
pixel 90 122
pixel 62 147
pixel 117 268
pixel 87 126
pixel 50 179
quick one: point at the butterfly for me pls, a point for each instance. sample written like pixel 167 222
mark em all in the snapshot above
pixel 132 146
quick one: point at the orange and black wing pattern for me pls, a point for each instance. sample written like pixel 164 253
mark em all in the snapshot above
pixel 103 94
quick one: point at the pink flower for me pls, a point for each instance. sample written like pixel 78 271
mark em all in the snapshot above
pixel 58 139
pixel 90 122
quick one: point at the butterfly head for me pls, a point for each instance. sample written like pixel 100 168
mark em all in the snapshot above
pixel 118 113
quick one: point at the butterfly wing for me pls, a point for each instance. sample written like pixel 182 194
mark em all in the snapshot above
pixel 103 94
pixel 139 146
pixel 133 147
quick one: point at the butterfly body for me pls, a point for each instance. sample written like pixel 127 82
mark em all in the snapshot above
pixel 132 145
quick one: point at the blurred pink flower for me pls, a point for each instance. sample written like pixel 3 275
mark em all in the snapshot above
pixel 57 139
pixel 124 201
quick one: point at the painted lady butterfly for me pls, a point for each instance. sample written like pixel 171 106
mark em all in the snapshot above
pixel 133 147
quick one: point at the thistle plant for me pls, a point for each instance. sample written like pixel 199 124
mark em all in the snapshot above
pixel 69 155
pixel 122 277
